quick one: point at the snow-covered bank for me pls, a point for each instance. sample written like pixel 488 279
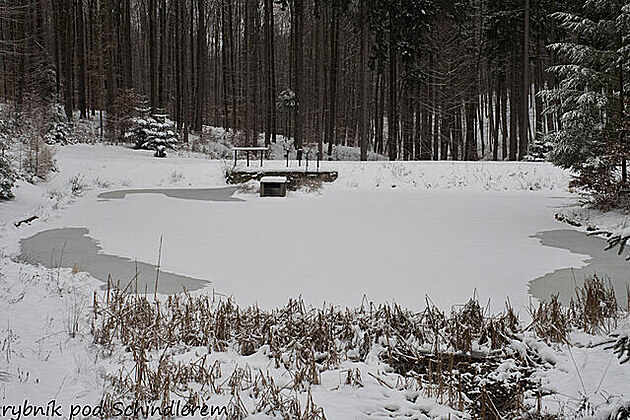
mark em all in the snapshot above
pixel 392 231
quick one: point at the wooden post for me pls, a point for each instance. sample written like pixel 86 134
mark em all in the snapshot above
pixel 248 158
pixel 235 154
pixel 262 152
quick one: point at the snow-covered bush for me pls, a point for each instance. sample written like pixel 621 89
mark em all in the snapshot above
pixel 77 185
pixel 539 150
pixel 286 99
pixel 622 412
pixel 39 161
pixel 7 179
pixel 345 153
pixel 121 120
pixel 622 347
pixel 60 132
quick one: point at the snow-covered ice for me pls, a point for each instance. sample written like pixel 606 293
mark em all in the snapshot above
pixel 389 232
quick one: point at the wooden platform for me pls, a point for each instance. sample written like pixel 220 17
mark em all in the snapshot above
pixel 295 177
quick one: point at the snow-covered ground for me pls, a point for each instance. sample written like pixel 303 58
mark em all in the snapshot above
pixel 387 231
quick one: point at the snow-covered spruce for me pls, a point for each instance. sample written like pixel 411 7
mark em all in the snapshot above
pixel 153 132
pixel 587 98
pixel 59 132
pixel 7 179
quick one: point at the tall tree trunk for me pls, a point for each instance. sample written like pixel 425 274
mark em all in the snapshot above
pixel 622 100
pixel 163 48
pixel 128 51
pixel 332 84
pixel 513 113
pixel 392 117
pixel 269 96
pixel 68 57
pixel 524 132
pixel 363 102
pixel 298 65
pixel 201 58
pixel 80 36
pixel 153 64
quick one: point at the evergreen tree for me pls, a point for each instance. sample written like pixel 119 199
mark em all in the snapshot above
pixel 590 97
pixel 162 134
pixel 539 150
pixel 152 131
pixel 7 179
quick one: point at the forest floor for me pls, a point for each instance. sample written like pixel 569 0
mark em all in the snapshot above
pixel 409 234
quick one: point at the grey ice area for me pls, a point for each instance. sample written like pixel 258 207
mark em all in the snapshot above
pixel 606 264
pixel 69 247
pixel 206 194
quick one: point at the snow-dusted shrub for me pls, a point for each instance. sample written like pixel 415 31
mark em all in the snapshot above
pixel 622 412
pixel 236 138
pixel 56 195
pixel 77 185
pixel 250 187
pixel 39 161
pixel 539 150
pixel 101 183
pixel 310 185
pixel 213 143
pixel 59 132
pixel 345 153
pixel 228 167
pixel 7 179
pixel 622 347
pixel 121 120
pixel 286 99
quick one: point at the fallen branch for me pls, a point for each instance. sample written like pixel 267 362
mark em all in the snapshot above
pixel 27 221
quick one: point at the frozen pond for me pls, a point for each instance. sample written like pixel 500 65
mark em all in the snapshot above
pixel 73 247
pixel 339 247
pixel 606 264
pixel 205 194
pixel 70 247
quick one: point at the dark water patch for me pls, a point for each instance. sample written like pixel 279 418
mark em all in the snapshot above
pixel 205 194
pixel 72 247
pixel 606 264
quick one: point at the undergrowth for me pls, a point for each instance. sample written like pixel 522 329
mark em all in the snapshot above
pixel 477 364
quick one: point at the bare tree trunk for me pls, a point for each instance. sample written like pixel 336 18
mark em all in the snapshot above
pixel 522 146
pixel 298 66
pixel 379 107
pixel 332 84
pixel 81 58
pixel 392 117
pixel 269 96
pixel 513 113
pixel 68 56
pixel 201 58
pixel 363 102
pixel 153 70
